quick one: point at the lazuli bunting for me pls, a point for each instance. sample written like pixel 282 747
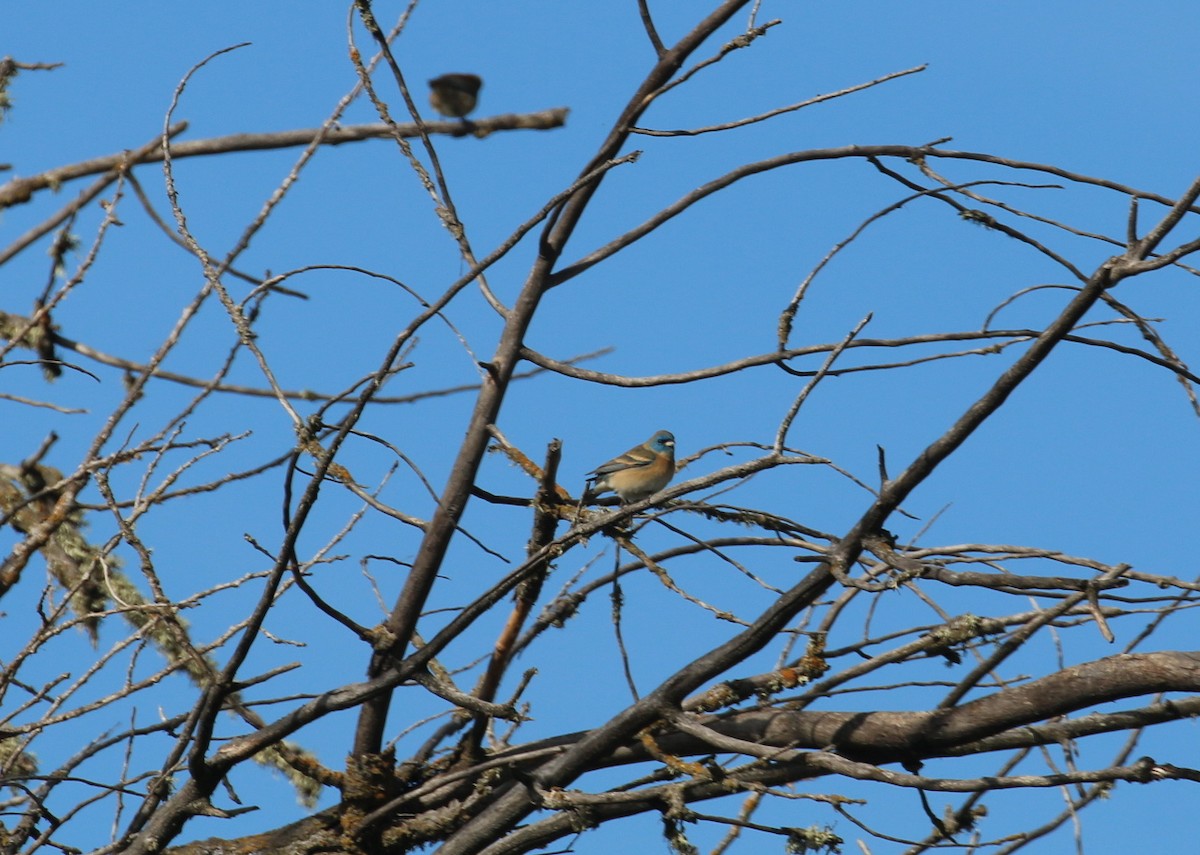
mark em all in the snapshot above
pixel 454 95
pixel 640 472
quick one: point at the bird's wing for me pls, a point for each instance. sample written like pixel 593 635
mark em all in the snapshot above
pixel 631 459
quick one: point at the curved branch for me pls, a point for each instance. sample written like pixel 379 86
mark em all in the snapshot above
pixel 1008 336
pixel 903 152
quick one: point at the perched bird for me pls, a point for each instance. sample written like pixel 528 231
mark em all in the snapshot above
pixel 454 95
pixel 640 472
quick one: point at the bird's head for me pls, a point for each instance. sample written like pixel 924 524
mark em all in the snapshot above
pixel 662 441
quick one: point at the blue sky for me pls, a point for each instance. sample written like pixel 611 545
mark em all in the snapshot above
pixel 1095 456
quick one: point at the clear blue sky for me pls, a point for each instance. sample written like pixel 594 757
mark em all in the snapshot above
pixel 1097 456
